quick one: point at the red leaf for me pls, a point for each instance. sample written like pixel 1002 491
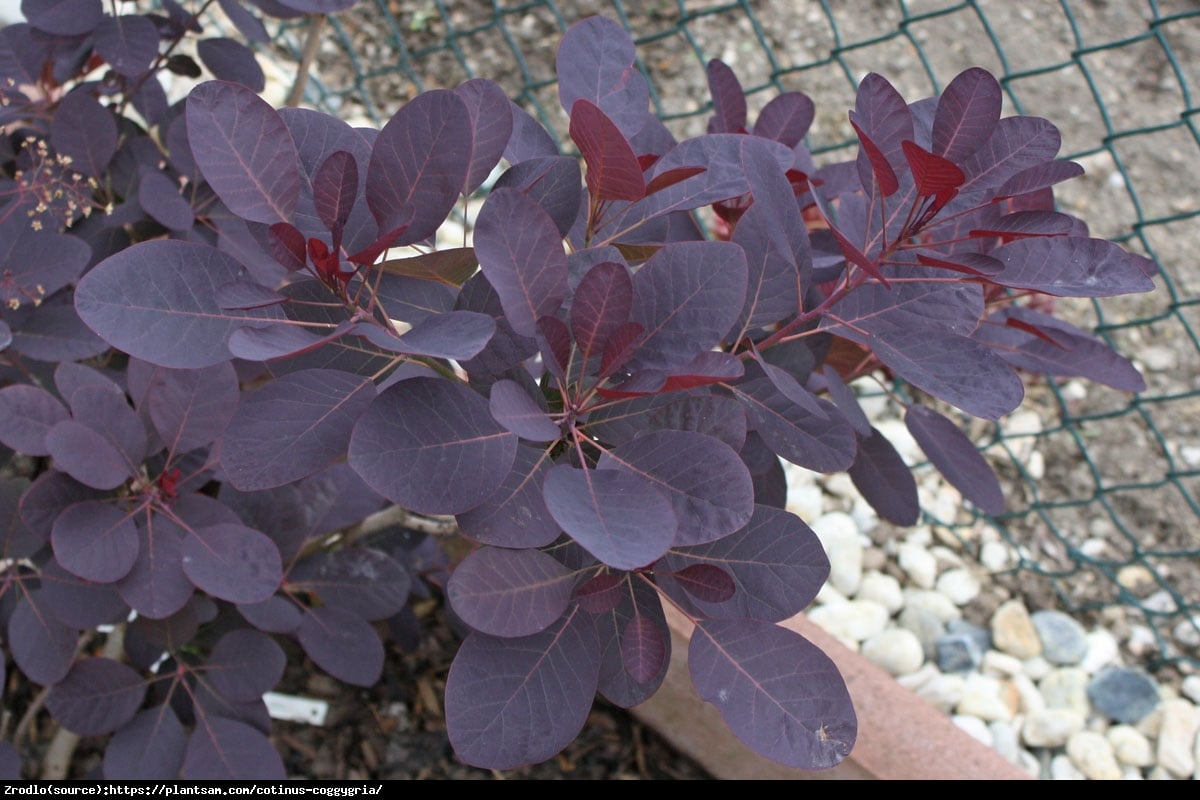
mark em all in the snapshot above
pixel 934 175
pixel 706 582
pixel 672 177
pixel 884 174
pixel 613 170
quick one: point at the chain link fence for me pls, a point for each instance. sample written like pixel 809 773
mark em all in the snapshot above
pixel 1104 487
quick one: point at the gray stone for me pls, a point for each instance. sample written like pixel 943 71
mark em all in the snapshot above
pixel 1064 641
pixel 958 652
pixel 1123 694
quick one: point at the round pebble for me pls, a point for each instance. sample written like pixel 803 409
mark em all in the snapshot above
pixel 1013 631
pixel 897 650
pixel 1123 694
pixel 1064 641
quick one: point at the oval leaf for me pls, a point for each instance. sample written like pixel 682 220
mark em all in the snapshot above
pixel 342 644
pixel 293 427
pixel 244 665
pixel 233 562
pixel 956 457
pixel 98 696
pixel 884 480
pixel 229 750
pixel 150 746
pixel 509 592
pixel 158 301
pixel 617 516
pixel 244 150
pixel 513 408
pixel 776 691
pixel 431 446
pixel 27 414
pixel 96 541
pixel 511 702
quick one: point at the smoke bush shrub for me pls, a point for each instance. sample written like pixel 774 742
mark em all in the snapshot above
pixel 261 353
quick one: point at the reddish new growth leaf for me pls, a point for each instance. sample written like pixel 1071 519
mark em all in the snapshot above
pixel 613 170
pixel 934 176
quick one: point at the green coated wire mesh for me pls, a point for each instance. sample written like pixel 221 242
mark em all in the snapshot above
pixel 1104 488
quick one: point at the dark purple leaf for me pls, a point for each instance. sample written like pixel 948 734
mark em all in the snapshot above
pixel 459 335
pixel 150 746
pixel 87 456
pixel 706 582
pixel 244 665
pixel 47 496
pixel 552 182
pixel 911 306
pixel 1040 343
pixel 821 443
pixel 431 446
pixel 613 171
pixel 247 24
pixel 776 562
pixel 644 649
pixel 84 131
pixel 108 413
pixel 76 602
pixel 160 197
pixel 595 62
pixel 600 594
pixel 230 60
pixel 969 263
pixel 129 43
pixel 281 340
pixel 183 64
pixel 967 112
pixel 63 17
pixel 232 562
pixel 626 631
pixel 1017 144
pixel 617 516
pixel 511 702
pixel 17 540
pixel 513 408
pixel 245 151
pixel 491 128
pixel 881 113
pixel 276 614
pixel 419 164
pixel 776 691
pixel 10 762
pixel 773 235
pixel 846 401
pixel 1026 223
pixel 367 583
pixel 98 696
pixel 156 586
pixel 1071 266
pixel 515 514
pixel 70 378
pixel 293 427
pixel 956 457
pixel 686 297
pixel 722 418
pixel 953 368
pixel 510 593
pixel 621 347
pixel 884 480
pixel 40 262
pixel 96 541
pixel 343 644
pixel 520 253
pixel 529 139
pixel 1039 176
pixel 786 118
pixel 27 414
pixel 56 333
pixel 728 99
pixel 335 188
pixel 227 750
pixel 157 301
pixel 41 646
pixel 723 157
pixel 190 408
pixel 704 479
